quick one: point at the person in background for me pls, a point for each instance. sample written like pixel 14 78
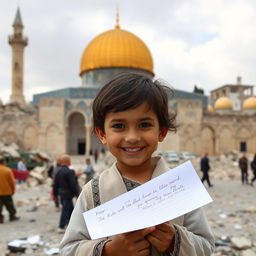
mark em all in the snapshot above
pixel 89 171
pixel 52 171
pixel 96 155
pixel 103 151
pixel 77 174
pixel 7 190
pixel 66 187
pixel 205 167
pixel 243 164
pixel 21 167
pixel 253 166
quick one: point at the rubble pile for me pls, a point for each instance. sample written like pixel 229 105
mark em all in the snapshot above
pixel 234 246
pixel 232 215
pixel 38 176
pixel 235 232
pixel 36 232
pixel 14 151
pixel 31 245
pixel 11 149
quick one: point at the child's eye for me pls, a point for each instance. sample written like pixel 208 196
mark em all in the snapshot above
pixel 118 126
pixel 145 125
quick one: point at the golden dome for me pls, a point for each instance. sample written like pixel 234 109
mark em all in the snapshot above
pixel 116 48
pixel 223 103
pixel 210 109
pixel 250 103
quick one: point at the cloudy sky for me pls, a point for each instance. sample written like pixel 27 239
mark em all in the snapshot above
pixel 203 42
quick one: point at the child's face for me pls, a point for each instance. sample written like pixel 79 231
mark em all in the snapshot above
pixel 132 135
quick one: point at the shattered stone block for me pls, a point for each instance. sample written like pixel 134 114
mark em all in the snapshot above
pixel 248 253
pixel 241 243
pixel 32 182
pixel 37 176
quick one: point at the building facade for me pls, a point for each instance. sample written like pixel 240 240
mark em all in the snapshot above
pixel 60 121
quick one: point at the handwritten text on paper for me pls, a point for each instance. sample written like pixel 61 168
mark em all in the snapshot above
pixel 163 198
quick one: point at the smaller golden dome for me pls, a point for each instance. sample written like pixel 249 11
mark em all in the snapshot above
pixel 223 103
pixel 250 103
pixel 210 109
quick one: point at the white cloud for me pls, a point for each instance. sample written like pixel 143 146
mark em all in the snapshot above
pixel 200 41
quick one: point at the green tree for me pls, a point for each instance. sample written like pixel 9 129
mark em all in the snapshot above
pixel 198 90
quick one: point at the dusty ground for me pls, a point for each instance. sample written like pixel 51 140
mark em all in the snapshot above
pixel 233 211
pixel 232 214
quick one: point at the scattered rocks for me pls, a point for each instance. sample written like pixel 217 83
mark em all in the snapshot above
pixel 38 176
pixel 11 150
pixel 223 250
pixel 241 243
pixel 231 215
pixel 248 253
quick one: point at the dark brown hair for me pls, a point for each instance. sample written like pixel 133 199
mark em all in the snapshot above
pixel 128 91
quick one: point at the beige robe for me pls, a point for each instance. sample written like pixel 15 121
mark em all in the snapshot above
pixel 196 236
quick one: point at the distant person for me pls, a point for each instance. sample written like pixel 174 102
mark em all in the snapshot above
pixel 89 171
pixel 7 190
pixel 52 171
pixel 77 174
pixel 205 167
pixel 253 166
pixel 54 168
pixel 103 151
pixel 96 155
pixel 66 187
pixel 131 116
pixel 243 164
pixel 21 167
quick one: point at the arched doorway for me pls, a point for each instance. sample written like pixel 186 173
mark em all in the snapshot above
pixel 76 134
pixel 207 140
pixel 244 140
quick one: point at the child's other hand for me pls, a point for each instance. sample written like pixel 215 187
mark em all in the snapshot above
pixel 162 238
pixel 129 244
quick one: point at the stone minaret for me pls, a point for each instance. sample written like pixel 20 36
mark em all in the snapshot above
pixel 17 42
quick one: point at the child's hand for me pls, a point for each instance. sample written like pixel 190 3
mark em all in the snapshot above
pixel 129 244
pixel 162 238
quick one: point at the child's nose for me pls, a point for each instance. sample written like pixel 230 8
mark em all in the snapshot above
pixel 132 136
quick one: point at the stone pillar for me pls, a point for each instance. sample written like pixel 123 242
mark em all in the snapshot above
pixel 88 129
pixel 217 146
pixel 214 145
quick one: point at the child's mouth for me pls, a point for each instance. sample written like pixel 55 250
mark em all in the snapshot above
pixel 133 150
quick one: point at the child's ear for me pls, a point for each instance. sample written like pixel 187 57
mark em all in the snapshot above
pixel 101 135
pixel 162 134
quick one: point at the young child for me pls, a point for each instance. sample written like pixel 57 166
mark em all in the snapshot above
pixel 131 116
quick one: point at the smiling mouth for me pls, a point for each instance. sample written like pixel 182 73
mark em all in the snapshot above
pixel 133 150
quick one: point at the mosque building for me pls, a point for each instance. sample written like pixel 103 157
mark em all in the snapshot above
pixel 60 121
